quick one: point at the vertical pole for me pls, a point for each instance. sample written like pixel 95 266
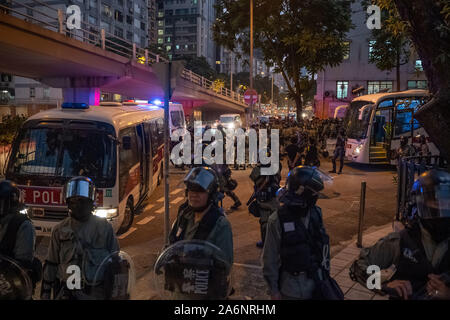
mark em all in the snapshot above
pixel 362 207
pixel 102 35
pixel 251 59
pixel 271 97
pixel 146 56
pixel 134 52
pixel 60 21
pixel 231 71
pixel 166 153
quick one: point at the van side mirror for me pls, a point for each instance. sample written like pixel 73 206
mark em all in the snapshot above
pixel 126 143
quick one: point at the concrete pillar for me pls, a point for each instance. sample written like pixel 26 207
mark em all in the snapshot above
pixel 90 96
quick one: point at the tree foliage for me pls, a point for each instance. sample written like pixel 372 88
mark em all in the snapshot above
pixel 292 35
pixel 200 66
pixel 9 128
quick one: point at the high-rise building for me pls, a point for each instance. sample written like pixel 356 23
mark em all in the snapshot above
pixel 152 30
pixel 184 28
pixel 356 75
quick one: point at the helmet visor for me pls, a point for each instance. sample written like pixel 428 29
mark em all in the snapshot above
pixel 198 180
pixel 435 202
pixel 80 188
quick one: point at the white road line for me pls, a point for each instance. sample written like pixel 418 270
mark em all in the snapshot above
pixel 148 207
pixel 160 199
pixel 126 234
pixel 160 210
pixel 145 220
pixel 176 191
pixel 177 200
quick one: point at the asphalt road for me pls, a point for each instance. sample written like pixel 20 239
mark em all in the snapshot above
pixel 339 203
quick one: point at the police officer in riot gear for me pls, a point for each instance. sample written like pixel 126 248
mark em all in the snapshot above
pixel 296 250
pixel 200 217
pixel 415 262
pixel 82 240
pixel 263 201
pixel 17 235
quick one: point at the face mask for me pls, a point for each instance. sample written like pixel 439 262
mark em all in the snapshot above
pixel 80 210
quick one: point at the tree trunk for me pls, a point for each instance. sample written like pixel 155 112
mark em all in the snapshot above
pixel 299 104
pixel 425 18
pixel 397 69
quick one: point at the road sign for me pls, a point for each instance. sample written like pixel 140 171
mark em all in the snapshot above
pixel 250 95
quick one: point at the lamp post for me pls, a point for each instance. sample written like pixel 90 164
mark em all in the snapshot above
pixel 251 59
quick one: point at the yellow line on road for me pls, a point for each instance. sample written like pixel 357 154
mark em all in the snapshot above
pixel 160 210
pixel 177 200
pixel 176 191
pixel 145 220
pixel 126 234
pixel 149 207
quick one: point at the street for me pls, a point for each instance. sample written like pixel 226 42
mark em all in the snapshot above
pixel 339 203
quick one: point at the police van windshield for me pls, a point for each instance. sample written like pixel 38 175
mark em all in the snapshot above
pixel 60 152
pixel 357 119
pixel 226 119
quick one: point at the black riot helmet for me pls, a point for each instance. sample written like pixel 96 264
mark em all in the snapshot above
pixel 79 193
pixel 204 179
pixel 9 198
pixel 431 196
pixel 306 178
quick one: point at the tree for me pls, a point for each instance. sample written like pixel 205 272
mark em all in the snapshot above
pixel 427 22
pixel 200 66
pixel 263 85
pixel 292 35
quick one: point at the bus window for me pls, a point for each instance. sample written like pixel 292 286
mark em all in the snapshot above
pixel 177 119
pixel 155 142
pixel 358 122
pixel 160 126
pixel 128 159
pixel 403 123
pixel 148 137
pixel 386 104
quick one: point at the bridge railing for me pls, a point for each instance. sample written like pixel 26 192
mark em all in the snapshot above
pixel 54 18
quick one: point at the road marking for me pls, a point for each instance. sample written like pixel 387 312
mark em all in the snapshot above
pixel 126 234
pixel 252 266
pixel 177 200
pixel 160 199
pixel 176 191
pixel 145 220
pixel 148 207
pixel 160 210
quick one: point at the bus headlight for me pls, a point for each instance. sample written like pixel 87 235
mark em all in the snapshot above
pixel 24 211
pixel 106 213
pixel 358 149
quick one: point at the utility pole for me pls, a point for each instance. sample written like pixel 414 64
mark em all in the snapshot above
pixel 231 71
pixel 251 59
pixel 271 97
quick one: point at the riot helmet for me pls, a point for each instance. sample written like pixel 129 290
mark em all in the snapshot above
pixel 203 179
pixel 431 196
pixel 193 270
pixel 403 141
pixel 79 193
pixel 9 198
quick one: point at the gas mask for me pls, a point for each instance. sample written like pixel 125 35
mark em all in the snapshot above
pixel 80 208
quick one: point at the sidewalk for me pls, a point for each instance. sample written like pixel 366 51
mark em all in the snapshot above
pixel 341 262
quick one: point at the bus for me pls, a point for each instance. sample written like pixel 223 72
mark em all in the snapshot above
pixel 376 122
pixel 119 147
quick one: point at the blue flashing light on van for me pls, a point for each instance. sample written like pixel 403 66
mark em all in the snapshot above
pixel 74 105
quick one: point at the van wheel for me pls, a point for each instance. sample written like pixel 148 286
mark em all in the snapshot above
pixel 128 218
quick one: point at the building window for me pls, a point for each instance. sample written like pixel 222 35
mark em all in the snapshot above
pixel 160 14
pixel 160 32
pixel 168 48
pixel 160 23
pixel 418 65
pixel 376 86
pixel 371 45
pixel 118 16
pixel 342 89
pixel 46 93
pixel 92 20
pixel 118 32
pixel 177 47
pixel 346 50
pixel 417 84
pixel 93 3
pixel 32 92
pixel 137 23
pixel 107 12
pixel 168 39
pixel 160 40
pixel 129 19
pixel 129 35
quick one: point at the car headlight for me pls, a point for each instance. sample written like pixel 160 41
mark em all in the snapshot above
pixel 231 125
pixel 24 211
pixel 106 213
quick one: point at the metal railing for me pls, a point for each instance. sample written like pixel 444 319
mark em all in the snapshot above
pixel 54 19
pixel 408 170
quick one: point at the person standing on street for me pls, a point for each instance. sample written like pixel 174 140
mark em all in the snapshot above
pixel 339 151
pixel 82 240
pixel 294 154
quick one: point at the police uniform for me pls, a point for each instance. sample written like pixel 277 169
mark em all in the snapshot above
pixel 339 152
pixel 214 227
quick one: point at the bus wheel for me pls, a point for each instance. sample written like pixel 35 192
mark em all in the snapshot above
pixel 128 218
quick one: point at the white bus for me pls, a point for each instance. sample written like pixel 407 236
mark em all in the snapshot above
pixel 119 147
pixel 376 122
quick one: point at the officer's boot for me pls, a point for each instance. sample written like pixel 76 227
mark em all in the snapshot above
pixel 237 202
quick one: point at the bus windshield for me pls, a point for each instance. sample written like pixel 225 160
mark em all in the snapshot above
pixel 358 118
pixel 57 152
pixel 226 119
pixel 177 119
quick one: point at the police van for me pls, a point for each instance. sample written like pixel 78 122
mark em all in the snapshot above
pixel 119 147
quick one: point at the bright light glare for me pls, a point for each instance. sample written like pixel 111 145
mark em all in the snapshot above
pixel 157 102
pixel 106 213
pixel 24 211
